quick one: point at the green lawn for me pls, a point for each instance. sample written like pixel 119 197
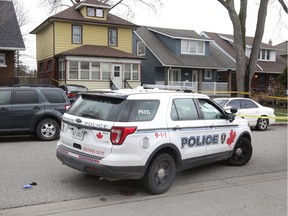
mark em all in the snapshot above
pixel 281 114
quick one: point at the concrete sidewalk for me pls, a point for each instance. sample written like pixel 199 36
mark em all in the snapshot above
pixel 264 194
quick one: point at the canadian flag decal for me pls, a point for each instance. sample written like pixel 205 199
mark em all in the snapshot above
pixel 99 135
pixel 232 137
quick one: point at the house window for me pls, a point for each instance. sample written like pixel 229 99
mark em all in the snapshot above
pixel 95 12
pixel 105 69
pixel 208 74
pixel 95 71
pixel 73 70
pixel 132 72
pixel 220 76
pixel 112 35
pixel 99 12
pixel 41 67
pixel 264 55
pixel 90 11
pixel 141 49
pixel 192 47
pixel 83 70
pixel 76 34
pixel 2 60
pixel 61 70
pixel 49 66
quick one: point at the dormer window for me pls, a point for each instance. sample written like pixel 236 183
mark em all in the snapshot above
pixel 95 12
pixel 192 47
pixel 264 55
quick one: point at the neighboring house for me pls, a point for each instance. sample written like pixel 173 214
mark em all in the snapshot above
pixel 282 49
pixel 10 41
pixel 178 58
pixel 87 45
pixel 269 65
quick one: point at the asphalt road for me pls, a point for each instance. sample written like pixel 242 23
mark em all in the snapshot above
pixel 24 160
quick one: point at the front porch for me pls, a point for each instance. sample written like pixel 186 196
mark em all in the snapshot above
pixel 209 88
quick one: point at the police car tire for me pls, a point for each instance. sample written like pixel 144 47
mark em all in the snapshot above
pixel 262 124
pixel 242 153
pixel 160 174
pixel 46 135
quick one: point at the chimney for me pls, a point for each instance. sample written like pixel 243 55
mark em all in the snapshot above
pixel 270 42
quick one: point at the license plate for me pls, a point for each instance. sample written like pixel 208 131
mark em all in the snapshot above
pixel 78 133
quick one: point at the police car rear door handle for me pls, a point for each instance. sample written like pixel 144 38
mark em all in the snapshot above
pixel 176 128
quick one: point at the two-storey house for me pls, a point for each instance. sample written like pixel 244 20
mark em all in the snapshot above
pixel 270 64
pixel 87 45
pixel 11 41
pixel 181 58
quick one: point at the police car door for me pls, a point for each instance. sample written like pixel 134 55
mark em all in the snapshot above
pixel 186 130
pixel 221 134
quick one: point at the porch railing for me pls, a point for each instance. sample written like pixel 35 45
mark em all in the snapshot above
pixel 209 88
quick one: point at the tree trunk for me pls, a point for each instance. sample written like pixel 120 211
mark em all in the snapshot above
pixel 262 12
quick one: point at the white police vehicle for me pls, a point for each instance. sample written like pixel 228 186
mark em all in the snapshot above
pixel 149 134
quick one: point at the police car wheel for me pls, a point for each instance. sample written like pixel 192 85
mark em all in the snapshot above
pixel 47 129
pixel 160 174
pixel 262 124
pixel 242 153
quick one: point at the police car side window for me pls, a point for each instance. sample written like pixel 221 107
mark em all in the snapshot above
pixel 183 109
pixel 143 110
pixel 209 110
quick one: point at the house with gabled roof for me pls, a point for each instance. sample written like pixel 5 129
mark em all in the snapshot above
pixel 176 57
pixel 281 49
pixel 11 41
pixel 270 64
pixel 86 44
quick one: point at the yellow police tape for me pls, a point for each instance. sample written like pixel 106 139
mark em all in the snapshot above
pixel 263 117
pixel 245 93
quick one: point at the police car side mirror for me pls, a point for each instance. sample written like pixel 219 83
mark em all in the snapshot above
pixel 230 117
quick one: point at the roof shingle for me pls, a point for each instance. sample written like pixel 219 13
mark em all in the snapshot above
pixel 10 34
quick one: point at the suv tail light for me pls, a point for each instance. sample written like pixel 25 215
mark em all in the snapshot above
pixel 119 134
pixel 71 95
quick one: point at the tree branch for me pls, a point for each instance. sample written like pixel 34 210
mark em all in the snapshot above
pixel 284 6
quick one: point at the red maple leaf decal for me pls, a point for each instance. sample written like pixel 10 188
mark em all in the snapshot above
pixel 99 135
pixel 232 137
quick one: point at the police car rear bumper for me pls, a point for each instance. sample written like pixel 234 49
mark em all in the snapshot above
pixel 93 166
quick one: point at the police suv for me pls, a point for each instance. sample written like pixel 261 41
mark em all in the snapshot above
pixel 149 134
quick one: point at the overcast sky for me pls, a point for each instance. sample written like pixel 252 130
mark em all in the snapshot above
pixel 198 15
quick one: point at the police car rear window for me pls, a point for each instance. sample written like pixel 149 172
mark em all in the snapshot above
pixel 97 107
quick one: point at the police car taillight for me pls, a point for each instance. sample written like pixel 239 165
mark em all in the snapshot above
pixel 119 134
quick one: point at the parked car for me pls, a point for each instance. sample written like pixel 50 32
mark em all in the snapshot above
pixel 149 135
pixel 257 115
pixel 27 109
pixel 72 91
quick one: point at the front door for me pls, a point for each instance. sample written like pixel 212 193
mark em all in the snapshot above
pixel 195 80
pixel 117 76
pixel 174 76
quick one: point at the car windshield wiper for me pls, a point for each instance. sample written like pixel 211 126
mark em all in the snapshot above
pixel 90 115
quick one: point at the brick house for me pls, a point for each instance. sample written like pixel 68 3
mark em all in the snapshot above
pixel 10 41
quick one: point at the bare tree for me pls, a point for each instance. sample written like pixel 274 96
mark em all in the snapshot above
pixel 57 5
pixel 245 67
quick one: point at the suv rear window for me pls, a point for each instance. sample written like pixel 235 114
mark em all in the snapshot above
pixel 26 97
pixel 97 107
pixel 54 96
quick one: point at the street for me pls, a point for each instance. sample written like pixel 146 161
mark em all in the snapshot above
pixel 24 160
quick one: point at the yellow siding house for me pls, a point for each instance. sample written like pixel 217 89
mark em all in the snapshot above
pixel 86 45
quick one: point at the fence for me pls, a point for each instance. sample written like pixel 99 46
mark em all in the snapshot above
pixel 25 80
